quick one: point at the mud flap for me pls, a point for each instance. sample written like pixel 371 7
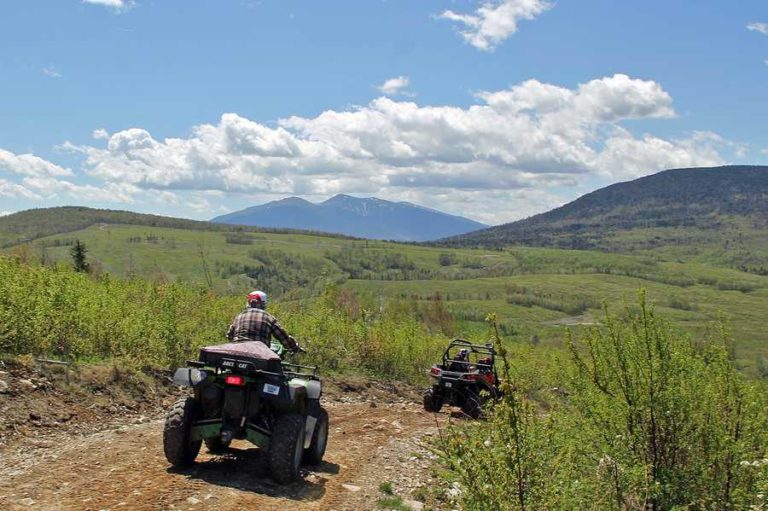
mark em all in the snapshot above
pixel 309 430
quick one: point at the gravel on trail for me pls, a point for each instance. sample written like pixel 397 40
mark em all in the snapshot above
pixel 117 462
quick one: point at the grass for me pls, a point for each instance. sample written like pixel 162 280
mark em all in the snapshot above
pixel 536 292
pixel 395 503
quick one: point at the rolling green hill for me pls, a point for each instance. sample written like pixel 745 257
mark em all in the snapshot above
pixel 695 239
pixel 32 224
pixel 536 292
pixel 717 214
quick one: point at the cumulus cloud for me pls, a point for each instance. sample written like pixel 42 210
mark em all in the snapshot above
pixel 115 5
pixel 495 21
pixel 515 152
pixel 394 85
pixel 30 165
pixel 531 138
pixel 16 191
pixel 758 27
pixel 627 157
pixel 50 188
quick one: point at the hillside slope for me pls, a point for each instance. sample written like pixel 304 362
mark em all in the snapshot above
pixel 366 218
pixel 38 223
pixel 699 203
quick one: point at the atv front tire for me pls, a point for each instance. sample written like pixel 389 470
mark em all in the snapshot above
pixel 432 402
pixel 215 445
pixel 313 455
pixel 179 449
pixel 286 448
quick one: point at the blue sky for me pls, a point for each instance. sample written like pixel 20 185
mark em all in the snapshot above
pixel 495 110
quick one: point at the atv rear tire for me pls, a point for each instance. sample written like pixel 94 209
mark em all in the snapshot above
pixel 313 455
pixel 179 449
pixel 472 405
pixel 432 403
pixel 286 448
pixel 215 445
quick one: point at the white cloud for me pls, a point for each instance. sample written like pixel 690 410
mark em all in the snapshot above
pixel 115 5
pixel 50 188
pixel 100 134
pixel 30 165
pixel 16 191
pixel 6 213
pixel 394 85
pixel 627 157
pixel 51 72
pixel 758 27
pixel 525 141
pixel 495 21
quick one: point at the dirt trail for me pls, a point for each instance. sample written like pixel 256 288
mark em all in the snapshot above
pixel 124 468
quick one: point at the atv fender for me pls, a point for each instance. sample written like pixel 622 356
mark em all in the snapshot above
pixel 297 389
pixel 189 377
pixel 314 389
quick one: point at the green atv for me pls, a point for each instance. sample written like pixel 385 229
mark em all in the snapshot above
pixel 246 391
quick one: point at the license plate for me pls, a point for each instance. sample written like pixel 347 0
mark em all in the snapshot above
pixel 271 389
pixel 448 384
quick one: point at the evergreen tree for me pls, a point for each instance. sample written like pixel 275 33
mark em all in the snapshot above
pixel 78 257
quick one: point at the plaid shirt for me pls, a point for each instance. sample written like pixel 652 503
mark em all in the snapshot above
pixel 258 325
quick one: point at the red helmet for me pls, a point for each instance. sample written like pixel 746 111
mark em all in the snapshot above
pixel 257 299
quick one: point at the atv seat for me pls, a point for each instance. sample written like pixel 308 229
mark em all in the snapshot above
pixel 256 353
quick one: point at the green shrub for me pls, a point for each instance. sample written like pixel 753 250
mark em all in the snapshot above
pixel 55 311
pixel 641 417
pixel 447 258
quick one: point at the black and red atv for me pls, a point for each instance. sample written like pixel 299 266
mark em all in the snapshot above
pixel 466 378
pixel 245 391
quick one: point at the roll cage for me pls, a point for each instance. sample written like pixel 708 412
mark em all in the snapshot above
pixel 480 352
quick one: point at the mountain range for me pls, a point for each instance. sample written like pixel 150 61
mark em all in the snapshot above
pixel 697 203
pixel 723 210
pixel 360 217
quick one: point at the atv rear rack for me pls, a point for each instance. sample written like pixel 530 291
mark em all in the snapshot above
pixel 233 364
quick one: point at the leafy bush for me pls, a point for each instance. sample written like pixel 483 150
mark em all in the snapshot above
pixel 644 418
pixel 238 238
pixel 447 259
pixel 573 305
pixel 61 313
pixel 359 263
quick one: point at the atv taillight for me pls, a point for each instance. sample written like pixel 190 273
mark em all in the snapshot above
pixel 436 371
pixel 234 380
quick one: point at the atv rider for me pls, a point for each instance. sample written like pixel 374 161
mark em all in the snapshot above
pixel 256 324
pixel 460 362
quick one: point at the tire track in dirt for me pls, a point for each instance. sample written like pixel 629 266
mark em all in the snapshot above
pixel 124 468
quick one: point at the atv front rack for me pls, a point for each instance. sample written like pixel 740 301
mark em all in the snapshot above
pixel 301 371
